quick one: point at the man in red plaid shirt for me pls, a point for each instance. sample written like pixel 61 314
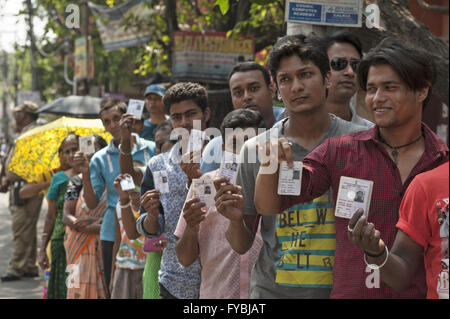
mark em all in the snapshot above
pixel 397 80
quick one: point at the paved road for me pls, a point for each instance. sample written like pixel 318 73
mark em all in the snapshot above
pixel 26 288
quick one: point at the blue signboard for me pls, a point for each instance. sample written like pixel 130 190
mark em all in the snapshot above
pixel 305 12
pixel 327 12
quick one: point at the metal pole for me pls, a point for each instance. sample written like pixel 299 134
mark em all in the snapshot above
pixel 86 35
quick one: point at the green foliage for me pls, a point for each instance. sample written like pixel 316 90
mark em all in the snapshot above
pixel 224 5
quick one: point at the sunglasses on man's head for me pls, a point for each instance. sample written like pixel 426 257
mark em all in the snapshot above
pixel 339 64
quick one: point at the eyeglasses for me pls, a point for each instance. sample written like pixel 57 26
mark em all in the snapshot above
pixel 339 64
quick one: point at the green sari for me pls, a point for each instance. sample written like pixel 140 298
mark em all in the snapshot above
pixel 57 288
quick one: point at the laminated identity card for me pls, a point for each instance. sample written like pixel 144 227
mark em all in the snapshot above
pixel 204 190
pixel 290 179
pixel 127 183
pixel 354 193
pixel 228 166
pixel 87 144
pixel 161 181
pixel 136 107
pixel 196 139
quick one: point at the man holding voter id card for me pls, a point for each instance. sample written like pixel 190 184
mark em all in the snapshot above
pixel 397 80
pixel 296 260
pixel 163 190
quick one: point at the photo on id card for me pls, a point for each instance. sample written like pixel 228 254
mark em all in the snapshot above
pixel 161 181
pixel 353 194
pixel 204 190
pixel 229 166
pixel 290 179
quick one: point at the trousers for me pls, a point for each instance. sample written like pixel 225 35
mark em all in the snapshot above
pixel 24 230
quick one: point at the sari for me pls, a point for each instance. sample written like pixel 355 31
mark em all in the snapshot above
pixel 57 277
pixel 84 257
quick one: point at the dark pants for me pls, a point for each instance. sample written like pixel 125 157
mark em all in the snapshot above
pixel 164 293
pixel 107 252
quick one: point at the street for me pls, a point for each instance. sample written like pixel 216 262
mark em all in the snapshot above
pixel 26 288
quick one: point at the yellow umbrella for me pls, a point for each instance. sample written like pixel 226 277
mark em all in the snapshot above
pixel 35 156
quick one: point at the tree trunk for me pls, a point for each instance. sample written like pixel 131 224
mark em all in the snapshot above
pixel 170 15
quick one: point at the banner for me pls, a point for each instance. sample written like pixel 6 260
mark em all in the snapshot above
pixel 113 33
pixel 81 59
pixel 342 13
pixel 208 56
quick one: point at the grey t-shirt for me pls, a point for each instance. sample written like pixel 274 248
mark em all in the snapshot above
pixel 296 260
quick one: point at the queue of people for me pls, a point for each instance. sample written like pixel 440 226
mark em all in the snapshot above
pixel 216 220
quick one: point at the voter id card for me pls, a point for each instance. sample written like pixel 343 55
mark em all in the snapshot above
pixel 196 139
pixel 289 180
pixel 136 107
pixel 229 166
pixel 87 144
pixel 161 181
pixel 204 190
pixel 127 183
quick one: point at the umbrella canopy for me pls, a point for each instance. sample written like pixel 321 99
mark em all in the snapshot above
pixel 74 106
pixel 35 156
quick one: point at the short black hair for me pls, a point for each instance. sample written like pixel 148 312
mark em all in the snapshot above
pixel 304 47
pixel 100 142
pixel 186 91
pixel 71 134
pixel 414 66
pixel 163 126
pixel 112 102
pixel 250 66
pixel 343 36
pixel 242 118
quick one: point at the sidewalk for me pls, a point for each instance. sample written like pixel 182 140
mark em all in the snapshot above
pixel 26 288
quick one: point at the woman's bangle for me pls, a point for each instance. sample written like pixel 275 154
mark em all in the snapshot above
pixel 375 266
pixel 125 206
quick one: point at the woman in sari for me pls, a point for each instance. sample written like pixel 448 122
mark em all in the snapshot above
pixel 54 229
pixel 82 243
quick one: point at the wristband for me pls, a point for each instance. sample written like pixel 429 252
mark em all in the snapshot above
pixel 375 266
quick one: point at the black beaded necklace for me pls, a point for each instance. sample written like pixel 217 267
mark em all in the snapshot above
pixel 394 149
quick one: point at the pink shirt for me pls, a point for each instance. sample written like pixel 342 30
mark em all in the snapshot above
pixel 225 273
